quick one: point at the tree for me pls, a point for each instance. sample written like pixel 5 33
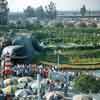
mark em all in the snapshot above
pixel 40 13
pixel 29 12
pixel 83 10
pixel 87 83
pixel 51 10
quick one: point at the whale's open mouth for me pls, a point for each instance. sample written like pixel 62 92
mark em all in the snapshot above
pixel 16 53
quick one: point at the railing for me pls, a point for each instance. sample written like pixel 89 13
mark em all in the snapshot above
pixel 25 98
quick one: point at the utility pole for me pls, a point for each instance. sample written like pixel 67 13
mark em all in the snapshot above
pixel 58 52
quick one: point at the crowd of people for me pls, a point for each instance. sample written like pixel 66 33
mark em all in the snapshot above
pixel 59 81
pixel 22 70
pixel 55 83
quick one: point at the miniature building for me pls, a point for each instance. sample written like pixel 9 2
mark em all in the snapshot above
pixel 3 12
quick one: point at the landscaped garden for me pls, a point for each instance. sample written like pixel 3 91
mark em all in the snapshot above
pixel 78 45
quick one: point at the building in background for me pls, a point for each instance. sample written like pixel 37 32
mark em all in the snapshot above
pixel 3 12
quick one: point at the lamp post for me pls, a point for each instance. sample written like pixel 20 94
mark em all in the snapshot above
pixel 58 52
pixel 38 82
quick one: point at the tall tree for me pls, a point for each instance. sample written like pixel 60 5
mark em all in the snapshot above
pixel 40 13
pixel 29 12
pixel 51 10
pixel 83 10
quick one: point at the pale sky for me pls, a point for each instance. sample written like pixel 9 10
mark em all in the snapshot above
pixel 19 5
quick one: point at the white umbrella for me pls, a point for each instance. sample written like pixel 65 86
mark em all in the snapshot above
pixel 23 93
pixel 55 95
pixel 34 86
pixel 82 97
pixel 25 79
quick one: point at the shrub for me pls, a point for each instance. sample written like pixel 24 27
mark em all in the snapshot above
pixel 59 25
pixel 93 24
pixel 82 24
pixel 69 24
pixel 87 83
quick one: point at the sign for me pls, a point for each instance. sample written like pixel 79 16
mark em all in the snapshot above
pixel 56 76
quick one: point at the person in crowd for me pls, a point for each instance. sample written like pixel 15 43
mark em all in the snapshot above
pixel 51 86
pixel 62 85
pixel 26 85
pixel 45 73
pixel 17 72
pixel 8 97
pixel 65 89
pixel 1 94
pixel 29 68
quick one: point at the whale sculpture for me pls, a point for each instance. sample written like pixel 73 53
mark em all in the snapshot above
pixel 21 48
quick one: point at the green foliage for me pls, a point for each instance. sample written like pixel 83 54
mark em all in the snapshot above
pixel 29 12
pixel 58 33
pixel 34 26
pixel 51 10
pixel 59 25
pixel 87 83
pixel 12 25
pixel 4 28
pixel 40 13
